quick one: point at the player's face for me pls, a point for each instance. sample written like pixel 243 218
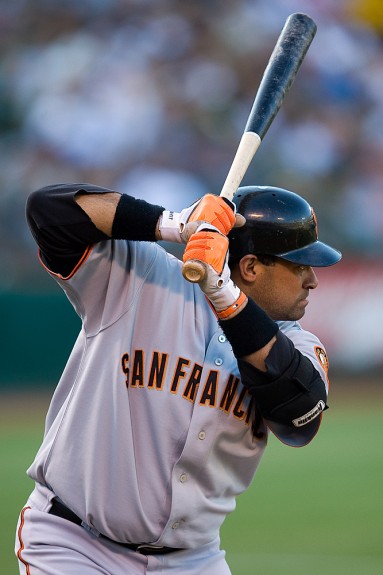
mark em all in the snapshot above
pixel 282 288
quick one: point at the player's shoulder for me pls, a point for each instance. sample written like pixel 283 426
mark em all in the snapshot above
pixel 295 331
pixel 286 326
pixel 291 326
pixel 308 343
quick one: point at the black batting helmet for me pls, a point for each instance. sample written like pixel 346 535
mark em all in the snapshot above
pixel 279 223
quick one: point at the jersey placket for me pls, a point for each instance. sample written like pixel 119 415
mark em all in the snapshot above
pixel 187 491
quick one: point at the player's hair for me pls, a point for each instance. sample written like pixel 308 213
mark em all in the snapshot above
pixel 265 259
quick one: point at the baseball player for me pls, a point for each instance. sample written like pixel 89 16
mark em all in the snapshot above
pixel 163 410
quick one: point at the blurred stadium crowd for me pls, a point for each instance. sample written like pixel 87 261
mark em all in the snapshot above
pixel 150 97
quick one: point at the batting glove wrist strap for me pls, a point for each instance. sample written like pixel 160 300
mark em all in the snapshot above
pixel 225 298
pixel 173 230
pixel 169 227
pixel 226 313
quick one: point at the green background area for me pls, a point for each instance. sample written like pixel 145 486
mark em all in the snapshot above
pixel 312 510
pixel 37 335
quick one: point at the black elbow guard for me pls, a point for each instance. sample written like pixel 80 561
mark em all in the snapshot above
pixel 293 397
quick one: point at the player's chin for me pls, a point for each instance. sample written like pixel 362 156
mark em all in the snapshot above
pixel 301 308
pixel 298 311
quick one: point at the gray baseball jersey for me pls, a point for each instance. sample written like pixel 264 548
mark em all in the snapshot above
pixel 150 434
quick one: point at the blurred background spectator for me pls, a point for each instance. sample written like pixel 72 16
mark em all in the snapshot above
pixel 150 97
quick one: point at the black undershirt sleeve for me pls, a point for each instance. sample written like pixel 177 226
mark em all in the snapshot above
pixel 60 227
pixel 63 231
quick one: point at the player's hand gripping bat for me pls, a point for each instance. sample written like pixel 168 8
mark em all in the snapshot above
pixel 282 68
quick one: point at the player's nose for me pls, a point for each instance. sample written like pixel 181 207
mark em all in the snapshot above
pixel 310 280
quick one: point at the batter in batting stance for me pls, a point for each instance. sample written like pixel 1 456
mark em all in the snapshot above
pixel 163 410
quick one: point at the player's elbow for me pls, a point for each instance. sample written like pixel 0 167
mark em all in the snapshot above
pixel 291 404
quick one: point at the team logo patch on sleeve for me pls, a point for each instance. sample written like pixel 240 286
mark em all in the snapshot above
pixel 322 357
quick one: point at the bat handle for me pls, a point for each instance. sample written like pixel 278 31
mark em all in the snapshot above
pixel 194 271
pixel 248 145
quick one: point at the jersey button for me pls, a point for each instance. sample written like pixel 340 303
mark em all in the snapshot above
pixel 221 338
pixel 175 525
pixel 183 477
pixel 218 361
pixel 201 435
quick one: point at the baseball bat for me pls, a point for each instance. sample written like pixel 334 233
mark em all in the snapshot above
pixel 290 49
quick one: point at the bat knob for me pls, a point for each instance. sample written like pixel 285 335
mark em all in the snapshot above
pixel 194 271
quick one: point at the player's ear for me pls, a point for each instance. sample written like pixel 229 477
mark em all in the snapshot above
pixel 248 267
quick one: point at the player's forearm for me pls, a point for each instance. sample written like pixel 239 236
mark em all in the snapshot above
pixel 101 209
pixel 57 207
pixel 251 332
pixel 116 215
pixel 236 336
pixel 121 216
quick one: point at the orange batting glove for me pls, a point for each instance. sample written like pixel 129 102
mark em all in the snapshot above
pixel 215 210
pixel 208 246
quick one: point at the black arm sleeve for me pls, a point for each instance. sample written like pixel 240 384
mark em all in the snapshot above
pixel 60 227
pixel 290 395
pixel 63 231
pixel 249 330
